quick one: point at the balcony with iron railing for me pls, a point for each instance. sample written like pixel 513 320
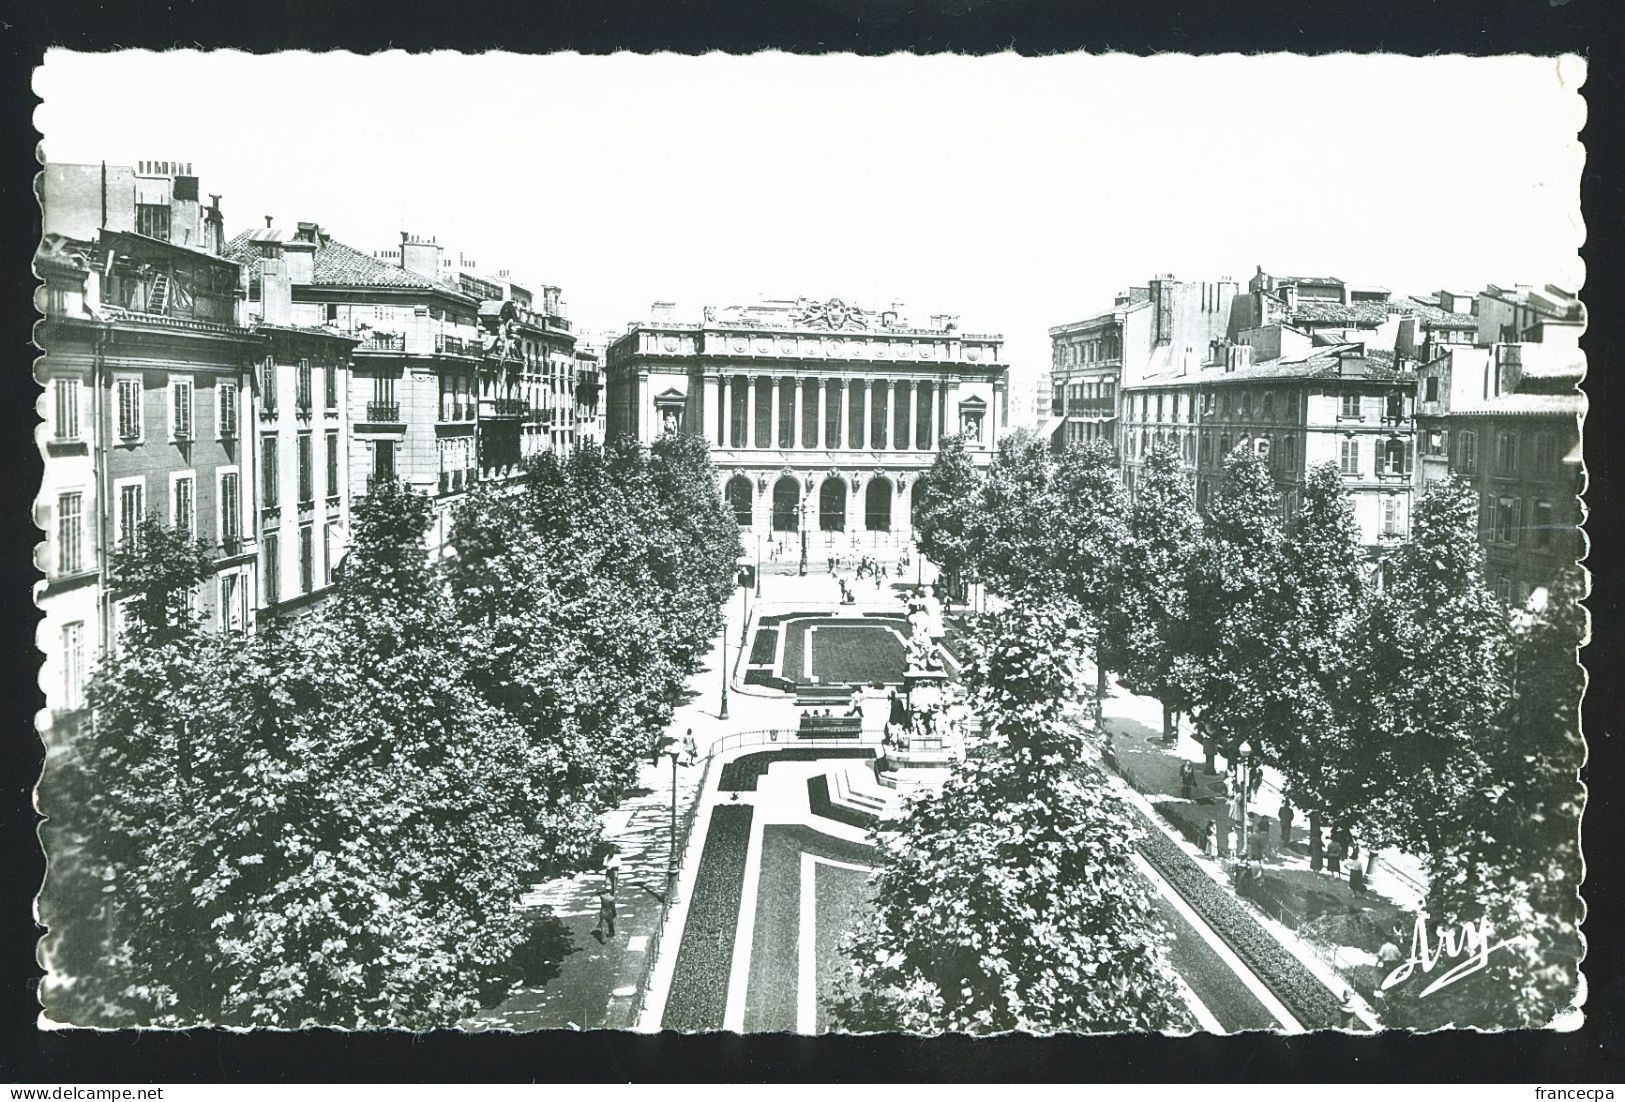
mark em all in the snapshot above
pixel 504 407
pixel 384 412
pixel 457 346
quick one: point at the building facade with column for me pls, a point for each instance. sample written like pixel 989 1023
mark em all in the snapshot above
pixel 817 413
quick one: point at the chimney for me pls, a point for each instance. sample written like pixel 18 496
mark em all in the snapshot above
pixel 276 292
pixel 1290 294
pixel 267 221
pixel 660 312
pixel 420 256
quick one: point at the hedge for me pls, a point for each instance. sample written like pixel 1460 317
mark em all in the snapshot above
pixel 1309 1000
pixel 741 774
pixel 818 799
pixel 699 982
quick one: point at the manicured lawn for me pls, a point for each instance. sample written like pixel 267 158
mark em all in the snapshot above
pixel 699 984
pixel 857 653
pixel 770 995
pixel 741 774
pixel 764 647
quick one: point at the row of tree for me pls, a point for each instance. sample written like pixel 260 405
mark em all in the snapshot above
pixel 331 821
pixel 1009 899
pixel 1398 699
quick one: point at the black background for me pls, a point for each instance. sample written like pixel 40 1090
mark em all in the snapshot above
pixel 1593 29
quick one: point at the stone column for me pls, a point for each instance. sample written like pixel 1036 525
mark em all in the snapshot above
pixel 798 409
pixel 837 403
pixel 928 421
pixel 712 407
pixel 887 442
pixel 942 411
pixel 750 411
pixel 773 413
pixel 907 405
pixel 644 411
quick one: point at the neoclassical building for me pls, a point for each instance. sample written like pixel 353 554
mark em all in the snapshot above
pixel 818 413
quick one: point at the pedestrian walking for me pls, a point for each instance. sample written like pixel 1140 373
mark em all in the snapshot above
pixel 1287 815
pixel 606 916
pixel 691 749
pixel 1210 840
pixel 612 870
pixel 1187 780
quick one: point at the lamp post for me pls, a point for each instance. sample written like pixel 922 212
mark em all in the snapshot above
pixel 802 524
pixel 1245 778
pixel 671 746
pixel 758 565
pixel 722 713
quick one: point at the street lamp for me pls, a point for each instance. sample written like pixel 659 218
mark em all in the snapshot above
pixel 758 565
pixel 1245 779
pixel 671 745
pixel 722 713
pixel 802 524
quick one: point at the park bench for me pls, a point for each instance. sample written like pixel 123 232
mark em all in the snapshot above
pixel 830 727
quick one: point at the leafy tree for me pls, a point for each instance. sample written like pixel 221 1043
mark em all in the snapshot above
pixel 158 574
pixel 1514 856
pixel 947 526
pixel 1147 619
pixel 1311 650
pixel 1234 582
pixel 1018 516
pixel 1430 678
pixel 1009 900
pixel 1089 530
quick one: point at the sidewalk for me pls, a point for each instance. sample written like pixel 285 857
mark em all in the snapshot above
pixel 599 983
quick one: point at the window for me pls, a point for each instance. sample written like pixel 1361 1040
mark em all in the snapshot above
pixel 1506 453
pixel 1348 460
pixel 132 506
pixel 268 388
pixel 73 664
pixel 383 460
pixel 70 533
pixel 231 527
pixel 307 475
pixel 327 554
pixel 330 387
pixel 1224 446
pixel 1435 442
pixel 129 409
pixel 1225 408
pixel 180 409
pixel 1393 457
pixel 332 313
pixel 332 464
pixel 1467 452
pixel 66 393
pixel 1269 405
pixel 226 397
pixel 1349 407
pixel 307 558
pixel 152 220
pixel 269 476
pixel 301 395
pixel 1545 452
pixel 1541 522
pixel 231 603
pixel 1431 394
pixel 1390 516
pixel 273 573
pixel 183 505
pixel 1503 588
pixel 1247 403
pixel 1507 510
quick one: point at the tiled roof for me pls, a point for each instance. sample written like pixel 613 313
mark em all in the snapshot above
pixel 1524 405
pixel 1324 363
pixel 338 265
pixel 1375 313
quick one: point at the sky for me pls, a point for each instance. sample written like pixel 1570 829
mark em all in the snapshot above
pixel 1017 193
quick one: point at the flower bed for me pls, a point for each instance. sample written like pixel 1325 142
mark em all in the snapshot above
pixel 1309 1000
pixel 763 649
pixel 741 774
pixel 699 983
pixel 770 680
pixel 818 800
